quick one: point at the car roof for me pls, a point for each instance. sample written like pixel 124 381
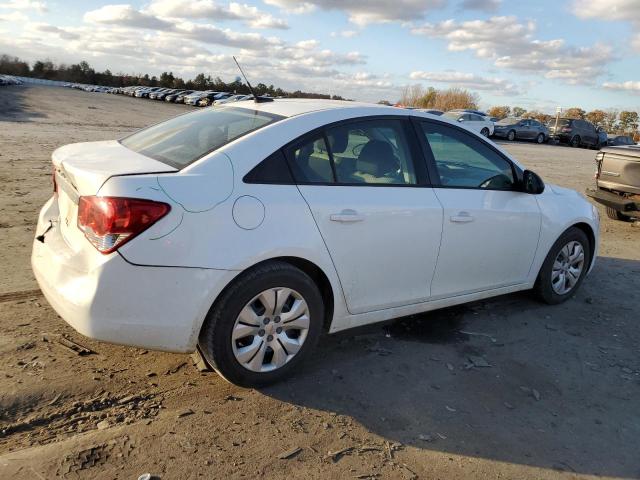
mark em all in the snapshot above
pixel 289 107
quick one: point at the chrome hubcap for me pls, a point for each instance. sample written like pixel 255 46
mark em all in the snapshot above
pixel 567 268
pixel 270 329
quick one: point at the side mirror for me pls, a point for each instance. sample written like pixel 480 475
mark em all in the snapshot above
pixel 532 183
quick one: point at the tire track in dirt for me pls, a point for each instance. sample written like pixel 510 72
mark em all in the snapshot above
pixel 21 295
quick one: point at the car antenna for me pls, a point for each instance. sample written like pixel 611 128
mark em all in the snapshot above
pixel 256 98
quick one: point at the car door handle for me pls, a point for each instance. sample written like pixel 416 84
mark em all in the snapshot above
pixel 346 216
pixel 461 217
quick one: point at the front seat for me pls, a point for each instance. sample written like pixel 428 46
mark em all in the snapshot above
pixel 377 164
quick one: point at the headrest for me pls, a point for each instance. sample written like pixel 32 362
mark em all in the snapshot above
pixel 377 158
pixel 338 139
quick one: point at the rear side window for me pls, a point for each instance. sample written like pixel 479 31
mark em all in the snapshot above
pixel 183 140
pixel 273 170
pixel 373 151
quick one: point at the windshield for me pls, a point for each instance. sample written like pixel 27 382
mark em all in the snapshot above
pixel 183 140
pixel 452 115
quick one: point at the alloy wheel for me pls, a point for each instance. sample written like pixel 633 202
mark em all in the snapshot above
pixel 270 330
pixel 567 267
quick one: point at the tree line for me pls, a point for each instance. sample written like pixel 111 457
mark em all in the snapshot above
pixel 444 100
pixel 83 73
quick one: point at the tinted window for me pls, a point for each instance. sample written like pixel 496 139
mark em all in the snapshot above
pixel 184 139
pixel 371 151
pixel 310 161
pixel 535 123
pixel 273 169
pixel 464 161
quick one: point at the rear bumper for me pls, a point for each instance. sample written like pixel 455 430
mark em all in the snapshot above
pixel 111 300
pixel 617 202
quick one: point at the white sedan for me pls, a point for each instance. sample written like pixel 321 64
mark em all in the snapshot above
pixel 249 229
pixel 473 121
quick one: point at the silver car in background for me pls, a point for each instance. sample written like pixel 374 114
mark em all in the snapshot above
pixel 513 128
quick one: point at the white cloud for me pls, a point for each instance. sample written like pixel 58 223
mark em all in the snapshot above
pixel 626 10
pixel 469 80
pixel 345 33
pixel 210 10
pixel 515 48
pixel 483 5
pixel 363 12
pixel 628 86
pixel 13 17
pixel 40 7
pixel 46 28
pixel 125 15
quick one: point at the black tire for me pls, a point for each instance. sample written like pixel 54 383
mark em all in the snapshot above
pixel 540 138
pixel 614 214
pixel 485 132
pixel 575 141
pixel 215 336
pixel 543 288
pixel 511 136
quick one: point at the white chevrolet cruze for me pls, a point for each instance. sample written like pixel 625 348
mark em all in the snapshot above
pixel 249 229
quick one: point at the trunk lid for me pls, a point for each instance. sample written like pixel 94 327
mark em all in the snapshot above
pixel 619 169
pixel 82 168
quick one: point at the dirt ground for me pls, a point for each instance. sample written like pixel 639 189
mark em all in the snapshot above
pixel 560 398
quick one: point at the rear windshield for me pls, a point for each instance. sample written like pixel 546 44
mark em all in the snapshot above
pixel 183 140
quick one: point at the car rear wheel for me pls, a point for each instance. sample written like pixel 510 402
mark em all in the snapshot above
pixel 484 132
pixel 540 138
pixel 511 136
pixel 614 214
pixel 575 141
pixel 564 268
pixel 263 325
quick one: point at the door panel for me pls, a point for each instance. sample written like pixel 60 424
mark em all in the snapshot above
pixel 383 241
pixel 493 247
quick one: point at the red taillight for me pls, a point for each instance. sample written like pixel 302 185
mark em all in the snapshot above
pixel 109 222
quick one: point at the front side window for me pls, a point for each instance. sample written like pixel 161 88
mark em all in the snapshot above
pixel 362 152
pixel 182 140
pixel 465 162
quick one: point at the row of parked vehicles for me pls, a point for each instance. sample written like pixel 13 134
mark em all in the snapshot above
pixel 9 80
pixel 569 131
pixel 198 98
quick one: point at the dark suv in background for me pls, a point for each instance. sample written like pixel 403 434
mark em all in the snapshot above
pixel 574 132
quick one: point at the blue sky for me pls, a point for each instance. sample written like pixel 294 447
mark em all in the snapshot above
pixel 538 54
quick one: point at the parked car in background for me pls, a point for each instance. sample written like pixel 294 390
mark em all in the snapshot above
pixel 618 181
pixel 472 121
pixel 574 132
pixel 234 98
pixel 619 140
pixel 603 137
pixel 431 111
pixel 153 95
pixel 180 98
pixel 513 128
pixel 212 98
pixel 145 92
pixel 172 97
pixel 195 97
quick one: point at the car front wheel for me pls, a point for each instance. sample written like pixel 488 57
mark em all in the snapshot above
pixel 264 325
pixel 511 136
pixel 485 132
pixel 564 268
pixel 540 138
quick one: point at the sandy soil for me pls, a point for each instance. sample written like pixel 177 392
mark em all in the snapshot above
pixel 403 400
